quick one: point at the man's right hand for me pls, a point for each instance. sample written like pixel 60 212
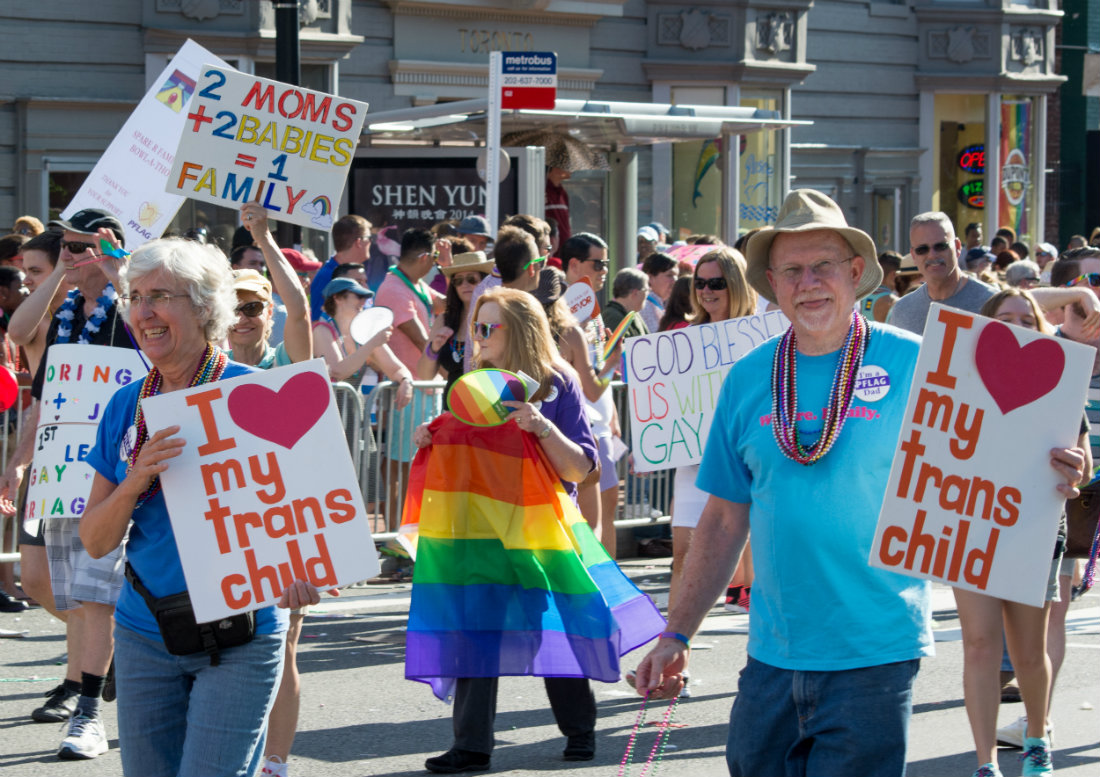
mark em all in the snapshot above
pixel 661 672
pixel 9 487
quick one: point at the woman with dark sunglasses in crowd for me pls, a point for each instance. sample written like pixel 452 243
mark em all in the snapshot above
pixel 447 340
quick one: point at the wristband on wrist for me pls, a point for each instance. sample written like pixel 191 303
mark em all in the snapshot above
pixel 677 636
pixel 430 352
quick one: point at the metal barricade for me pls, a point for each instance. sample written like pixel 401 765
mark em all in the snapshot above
pixel 11 426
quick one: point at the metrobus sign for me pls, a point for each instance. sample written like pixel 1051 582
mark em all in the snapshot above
pixel 529 79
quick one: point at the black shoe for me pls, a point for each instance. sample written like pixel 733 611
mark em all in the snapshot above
pixel 59 707
pixel 9 603
pixel 455 760
pixel 580 747
pixel 109 693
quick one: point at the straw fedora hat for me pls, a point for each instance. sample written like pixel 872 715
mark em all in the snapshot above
pixel 805 210
pixel 472 261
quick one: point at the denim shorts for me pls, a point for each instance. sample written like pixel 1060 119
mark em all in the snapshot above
pixel 787 723
pixel 178 716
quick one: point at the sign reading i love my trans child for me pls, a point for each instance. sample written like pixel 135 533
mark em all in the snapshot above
pixel 264 492
pixel 249 139
pixel 972 497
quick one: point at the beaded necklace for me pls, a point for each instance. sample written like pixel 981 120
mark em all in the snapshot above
pixel 458 348
pixel 210 368
pixel 67 312
pixel 659 743
pixel 785 394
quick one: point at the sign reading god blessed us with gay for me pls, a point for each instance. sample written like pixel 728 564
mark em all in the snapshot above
pixel 673 381
pixel 263 493
pixel 79 381
pixel 972 498
pixel 250 139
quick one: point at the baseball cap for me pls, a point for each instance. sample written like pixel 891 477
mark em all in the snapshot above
pixel 89 221
pixel 650 234
pixel 345 284
pixel 475 225
pixel 299 261
pixel 250 280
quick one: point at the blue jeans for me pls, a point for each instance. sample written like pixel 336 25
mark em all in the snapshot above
pixel 826 724
pixel 178 716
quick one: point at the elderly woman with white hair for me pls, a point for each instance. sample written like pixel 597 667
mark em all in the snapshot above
pixel 181 712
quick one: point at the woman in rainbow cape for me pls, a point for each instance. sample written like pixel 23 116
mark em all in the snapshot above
pixel 510 579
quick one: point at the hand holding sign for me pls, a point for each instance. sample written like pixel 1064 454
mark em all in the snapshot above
pixel 369 323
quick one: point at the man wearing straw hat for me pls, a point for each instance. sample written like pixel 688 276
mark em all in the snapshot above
pixel 804 458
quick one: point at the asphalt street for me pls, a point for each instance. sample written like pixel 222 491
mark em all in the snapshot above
pixel 359 716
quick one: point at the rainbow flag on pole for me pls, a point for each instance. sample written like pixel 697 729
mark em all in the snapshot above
pixel 509 578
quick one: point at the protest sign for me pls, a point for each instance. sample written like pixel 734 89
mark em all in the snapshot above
pixel 250 139
pixel 972 499
pixel 581 300
pixel 673 379
pixel 128 180
pixel 264 492
pixel 79 380
pixel 691 253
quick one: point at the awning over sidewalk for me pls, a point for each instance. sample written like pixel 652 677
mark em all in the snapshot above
pixel 604 125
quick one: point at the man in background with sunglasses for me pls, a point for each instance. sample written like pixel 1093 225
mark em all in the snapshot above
pixel 936 249
pixel 89 315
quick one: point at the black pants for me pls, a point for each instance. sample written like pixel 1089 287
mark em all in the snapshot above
pixel 475 709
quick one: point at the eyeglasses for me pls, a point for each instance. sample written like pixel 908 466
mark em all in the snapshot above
pixel 482 331
pixel 25 231
pixel 1093 279
pixel 157 300
pixel 939 248
pixel 75 247
pixel 251 309
pixel 537 260
pixel 599 265
pixel 825 270
pixel 714 284
pixel 465 280
pixel 1034 280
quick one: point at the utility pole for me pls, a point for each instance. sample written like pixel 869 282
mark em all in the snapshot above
pixel 288 69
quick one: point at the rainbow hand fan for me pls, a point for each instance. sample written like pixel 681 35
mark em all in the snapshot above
pixel 477 397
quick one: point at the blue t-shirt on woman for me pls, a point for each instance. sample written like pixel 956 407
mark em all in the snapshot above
pixel 151 547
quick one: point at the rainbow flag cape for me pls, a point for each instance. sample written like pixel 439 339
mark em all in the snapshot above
pixel 509 578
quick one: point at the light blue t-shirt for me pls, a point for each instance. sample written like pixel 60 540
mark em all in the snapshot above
pixel 816 603
pixel 151 546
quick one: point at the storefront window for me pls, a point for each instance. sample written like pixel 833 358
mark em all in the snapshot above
pixel 1016 178
pixel 697 172
pixel 760 174
pixel 958 183
pixel 886 228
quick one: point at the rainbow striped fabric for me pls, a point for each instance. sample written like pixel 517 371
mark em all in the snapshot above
pixel 509 578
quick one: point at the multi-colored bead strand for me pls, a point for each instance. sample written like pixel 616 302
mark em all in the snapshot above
pixel 656 753
pixel 785 394
pixel 210 369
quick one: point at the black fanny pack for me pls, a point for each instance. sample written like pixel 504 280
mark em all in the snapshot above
pixel 182 635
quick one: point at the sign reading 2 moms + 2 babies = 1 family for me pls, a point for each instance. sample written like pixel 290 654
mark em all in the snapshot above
pixel 249 139
pixel 673 379
pixel 78 382
pixel 264 492
pixel 972 499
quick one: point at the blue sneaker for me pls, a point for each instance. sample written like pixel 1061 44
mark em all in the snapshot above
pixel 1036 757
pixel 987 770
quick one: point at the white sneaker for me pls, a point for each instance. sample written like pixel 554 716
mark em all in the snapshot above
pixel 85 739
pixel 274 766
pixel 1013 734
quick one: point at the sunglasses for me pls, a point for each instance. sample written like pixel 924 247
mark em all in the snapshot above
pixel 939 248
pixel 75 247
pixel 482 331
pixel 598 265
pixel 465 280
pixel 540 259
pixel 1093 279
pixel 251 309
pixel 714 284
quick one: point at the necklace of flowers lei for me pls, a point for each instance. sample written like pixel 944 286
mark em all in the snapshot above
pixel 67 312
pixel 210 368
pixel 785 394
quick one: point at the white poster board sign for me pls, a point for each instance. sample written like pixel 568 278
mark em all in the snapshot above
pixel 673 380
pixel 250 139
pixel 79 381
pixel 972 499
pixel 264 492
pixel 128 180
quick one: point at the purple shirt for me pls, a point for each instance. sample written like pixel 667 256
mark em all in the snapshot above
pixel 565 408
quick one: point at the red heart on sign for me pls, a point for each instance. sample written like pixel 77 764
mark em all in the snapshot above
pixel 1016 375
pixel 284 416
